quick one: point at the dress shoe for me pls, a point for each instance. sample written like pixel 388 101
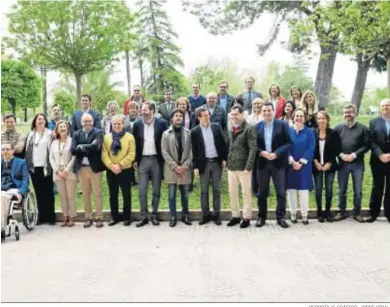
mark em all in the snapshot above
pixel 245 223
pixel 99 223
pixel 126 223
pixel 321 219
pixel 305 222
pixel 359 218
pixel 260 222
pixel 142 222
pixel 217 220
pixel 282 223
pixel 204 220
pixel 233 221
pixel 186 220
pixel 173 222
pixel 155 221
pixel 3 234
pixel 339 217
pixel 330 218
pixel 113 222
pixel 294 221
pixel 71 222
pixel 88 223
pixel 370 220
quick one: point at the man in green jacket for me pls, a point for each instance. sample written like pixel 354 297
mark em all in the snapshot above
pixel 242 153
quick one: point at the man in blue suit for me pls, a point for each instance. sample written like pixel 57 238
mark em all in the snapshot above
pixel 85 108
pixel 224 100
pixel 14 181
pixel 273 144
pixel 149 160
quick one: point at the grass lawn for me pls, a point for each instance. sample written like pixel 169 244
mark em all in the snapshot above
pixel 194 200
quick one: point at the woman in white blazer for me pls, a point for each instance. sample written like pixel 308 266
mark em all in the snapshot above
pixel 62 161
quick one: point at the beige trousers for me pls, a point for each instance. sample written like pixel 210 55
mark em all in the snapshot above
pixel 5 202
pixel 67 190
pixel 244 179
pixel 91 182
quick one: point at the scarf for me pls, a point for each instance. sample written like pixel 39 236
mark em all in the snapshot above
pixel 116 141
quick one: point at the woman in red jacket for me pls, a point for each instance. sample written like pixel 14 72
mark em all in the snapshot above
pixel 277 100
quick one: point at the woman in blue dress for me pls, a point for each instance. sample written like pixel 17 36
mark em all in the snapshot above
pixel 299 172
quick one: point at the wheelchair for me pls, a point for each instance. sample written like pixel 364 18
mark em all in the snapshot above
pixel 29 208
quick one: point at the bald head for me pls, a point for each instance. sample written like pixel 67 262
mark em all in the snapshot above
pixel 211 99
pixel 87 121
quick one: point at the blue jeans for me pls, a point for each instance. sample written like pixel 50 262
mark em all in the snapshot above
pixel 319 183
pixel 172 199
pixel 356 169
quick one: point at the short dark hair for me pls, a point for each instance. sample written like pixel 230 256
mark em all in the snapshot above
pixel 56 105
pixel 293 107
pixel 239 108
pixel 199 111
pixel 88 96
pixel 174 112
pixel 34 121
pixel 151 105
pixel 9 116
pixel 238 100
pixel 268 104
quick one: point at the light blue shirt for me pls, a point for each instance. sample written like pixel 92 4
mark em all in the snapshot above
pixel 208 139
pixel 387 125
pixel 268 129
pixel 223 101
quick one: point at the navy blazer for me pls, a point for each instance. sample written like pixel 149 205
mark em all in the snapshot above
pixel 160 126
pixel 380 141
pixel 229 103
pixel 91 149
pixel 76 120
pixel 19 173
pixel 281 143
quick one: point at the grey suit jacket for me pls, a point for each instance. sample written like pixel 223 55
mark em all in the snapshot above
pixel 163 110
pixel 248 104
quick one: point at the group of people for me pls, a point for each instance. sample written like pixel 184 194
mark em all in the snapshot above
pixel 255 139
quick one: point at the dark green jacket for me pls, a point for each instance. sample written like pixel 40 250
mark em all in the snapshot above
pixel 242 148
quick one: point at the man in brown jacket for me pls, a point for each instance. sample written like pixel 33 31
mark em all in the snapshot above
pixel 242 153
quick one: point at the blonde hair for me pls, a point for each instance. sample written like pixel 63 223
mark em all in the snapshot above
pixel 185 99
pixel 258 100
pixel 305 106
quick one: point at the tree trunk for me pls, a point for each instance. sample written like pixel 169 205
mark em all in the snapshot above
pixel 25 115
pixel 128 72
pixel 78 89
pixel 12 103
pixel 141 69
pixel 360 80
pixel 44 89
pixel 325 73
pixel 388 73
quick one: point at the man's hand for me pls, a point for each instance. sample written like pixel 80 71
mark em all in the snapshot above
pixel 224 164
pixel 346 158
pixel 196 172
pixel 135 165
pixel 19 197
pixel 264 154
pixel 384 158
pixel 79 147
pixel 179 170
pixel 272 156
pixel 65 174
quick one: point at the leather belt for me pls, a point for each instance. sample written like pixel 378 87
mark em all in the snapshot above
pixel 149 156
pixel 211 159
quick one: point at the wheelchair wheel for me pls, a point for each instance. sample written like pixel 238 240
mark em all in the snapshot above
pixel 30 211
pixel 17 233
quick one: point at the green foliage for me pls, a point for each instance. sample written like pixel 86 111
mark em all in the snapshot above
pixel 66 100
pixel 20 86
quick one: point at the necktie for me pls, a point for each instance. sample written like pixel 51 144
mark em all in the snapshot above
pixel 249 97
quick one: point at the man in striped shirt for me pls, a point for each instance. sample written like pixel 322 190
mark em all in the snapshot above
pixel 10 135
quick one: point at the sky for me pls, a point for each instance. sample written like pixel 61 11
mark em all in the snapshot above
pixel 239 47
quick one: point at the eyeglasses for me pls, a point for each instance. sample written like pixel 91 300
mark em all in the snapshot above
pixel 136 90
pixel 87 121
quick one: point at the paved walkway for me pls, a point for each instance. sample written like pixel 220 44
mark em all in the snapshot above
pixel 343 261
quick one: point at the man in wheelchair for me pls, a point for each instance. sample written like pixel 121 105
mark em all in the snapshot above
pixel 14 182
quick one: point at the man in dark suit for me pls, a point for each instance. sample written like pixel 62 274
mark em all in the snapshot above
pixel 273 142
pixel 85 108
pixel 149 160
pixel 217 114
pixel 209 150
pixel 249 94
pixel 86 146
pixel 380 162
pixel 224 100
pixel 167 107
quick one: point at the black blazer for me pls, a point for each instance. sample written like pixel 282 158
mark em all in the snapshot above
pixel 160 126
pixel 91 149
pixel 331 150
pixel 380 141
pixel 281 143
pixel 199 150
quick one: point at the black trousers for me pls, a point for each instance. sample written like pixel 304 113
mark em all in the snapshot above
pixel 43 187
pixel 123 181
pixel 279 178
pixel 381 183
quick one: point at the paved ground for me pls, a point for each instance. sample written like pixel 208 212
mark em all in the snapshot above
pixel 342 261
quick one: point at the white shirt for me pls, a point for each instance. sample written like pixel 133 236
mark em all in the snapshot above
pixel 149 145
pixel 322 146
pixel 85 160
pixel 39 150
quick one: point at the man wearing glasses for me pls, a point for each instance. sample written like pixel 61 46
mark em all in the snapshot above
pixel 354 144
pixel 224 100
pixel 86 101
pixel 380 162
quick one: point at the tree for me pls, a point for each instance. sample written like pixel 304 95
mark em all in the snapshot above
pixel 75 36
pixel 20 85
pixel 222 17
pixel 140 55
pixel 163 54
